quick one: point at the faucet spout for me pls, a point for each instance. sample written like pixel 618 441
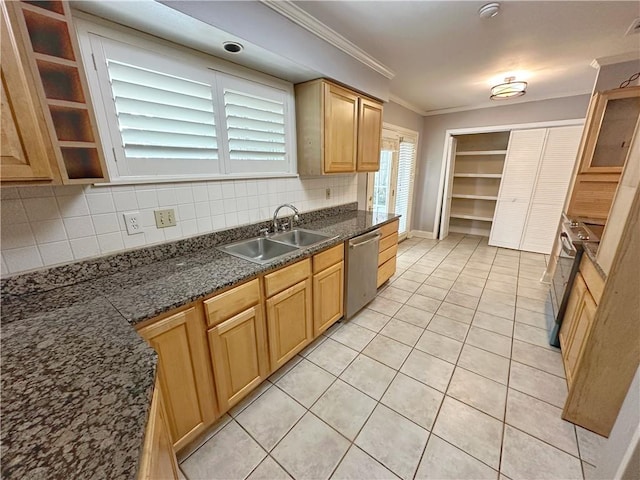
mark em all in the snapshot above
pixel 275 215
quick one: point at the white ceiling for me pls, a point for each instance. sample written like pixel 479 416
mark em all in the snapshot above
pixel 446 58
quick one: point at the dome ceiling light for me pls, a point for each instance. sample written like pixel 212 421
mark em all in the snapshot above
pixel 509 89
pixel 489 10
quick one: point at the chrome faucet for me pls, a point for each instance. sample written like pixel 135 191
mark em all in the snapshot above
pixel 275 216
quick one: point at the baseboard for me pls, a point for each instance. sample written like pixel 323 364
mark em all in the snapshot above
pixel 421 234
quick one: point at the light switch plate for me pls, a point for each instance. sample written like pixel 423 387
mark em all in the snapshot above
pixel 165 218
pixel 132 221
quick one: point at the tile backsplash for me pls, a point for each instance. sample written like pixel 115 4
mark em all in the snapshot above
pixel 44 226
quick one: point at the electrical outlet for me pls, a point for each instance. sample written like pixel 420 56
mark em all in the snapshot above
pixel 165 218
pixel 132 221
pixel 327 193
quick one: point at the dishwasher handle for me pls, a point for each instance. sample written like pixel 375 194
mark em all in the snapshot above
pixel 375 238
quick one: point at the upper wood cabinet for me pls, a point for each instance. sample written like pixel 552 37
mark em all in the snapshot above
pixel 23 154
pixel 184 373
pixel 39 49
pixel 608 134
pixel 614 115
pixel 339 130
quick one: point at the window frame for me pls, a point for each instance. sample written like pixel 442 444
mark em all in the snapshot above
pixel 91 31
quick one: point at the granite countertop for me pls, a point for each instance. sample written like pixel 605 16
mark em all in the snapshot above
pixel 591 250
pixel 77 379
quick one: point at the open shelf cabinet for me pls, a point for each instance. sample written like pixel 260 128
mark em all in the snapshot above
pixel 477 171
pixel 53 54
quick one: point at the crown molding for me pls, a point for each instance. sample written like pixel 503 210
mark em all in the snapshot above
pixel 320 30
pixel 624 57
pixel 403 103
pixel 444 111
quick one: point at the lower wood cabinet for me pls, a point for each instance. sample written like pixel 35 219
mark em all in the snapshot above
pixel 184 373
pixel 238 353
pixel 158 458
pixel 328 288
pixel 387 250
pixel 289 312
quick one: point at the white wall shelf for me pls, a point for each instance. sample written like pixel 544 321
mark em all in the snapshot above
pixel 471 217
pixel 481 152
pixel 476 197
pixel 478 175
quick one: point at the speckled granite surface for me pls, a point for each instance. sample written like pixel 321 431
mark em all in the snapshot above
pixel 591 251
pixel 76 385
pixel 77 379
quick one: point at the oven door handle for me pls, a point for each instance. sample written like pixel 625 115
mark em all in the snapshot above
pixel 564 238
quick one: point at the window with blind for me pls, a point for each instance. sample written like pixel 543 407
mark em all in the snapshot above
pixel 404 185
pixel 177 118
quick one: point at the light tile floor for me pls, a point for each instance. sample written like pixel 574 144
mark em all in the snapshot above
pixel 446 374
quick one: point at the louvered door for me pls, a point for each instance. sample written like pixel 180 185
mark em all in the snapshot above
pixel 516 188
pixel 558 160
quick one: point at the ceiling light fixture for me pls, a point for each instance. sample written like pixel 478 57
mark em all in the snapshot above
pixel 509 89
pixel 489 10
pixel 232 47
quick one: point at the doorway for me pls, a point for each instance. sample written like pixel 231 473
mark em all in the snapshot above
pixel 390 189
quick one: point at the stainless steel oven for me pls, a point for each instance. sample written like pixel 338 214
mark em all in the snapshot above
pixel 573 235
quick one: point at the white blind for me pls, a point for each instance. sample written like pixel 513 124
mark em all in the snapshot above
pixel 162 116
pixel 406 174
pixel 255 127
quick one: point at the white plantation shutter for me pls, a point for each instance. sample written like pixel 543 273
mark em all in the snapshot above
pixel 256 128
pixel 171 116
pixel 406 174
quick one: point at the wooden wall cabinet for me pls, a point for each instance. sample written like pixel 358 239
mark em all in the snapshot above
pixel 40 47
pixel 289 311
pixel 237 342
pixel 609 130
pixel 183 373
pixel 158 459
pixel 339 130
pixel 328 288
pixel 387 249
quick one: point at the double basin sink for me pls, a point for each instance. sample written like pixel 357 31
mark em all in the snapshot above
pixel 266 249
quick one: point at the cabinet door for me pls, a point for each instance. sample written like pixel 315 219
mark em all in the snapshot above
pixel 23 154
pixel 568 322
pixel 238 354
pixel 328 297
pixel 584 316
pixel 340 129
pixel 369 135
pixel 611 130
pixel 183 373
pixel 289 322
pixel 158 459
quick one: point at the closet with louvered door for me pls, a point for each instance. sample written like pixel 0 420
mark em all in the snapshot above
pixel 477 171
pixel 534 187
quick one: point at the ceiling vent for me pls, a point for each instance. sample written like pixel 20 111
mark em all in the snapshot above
pixel 634 28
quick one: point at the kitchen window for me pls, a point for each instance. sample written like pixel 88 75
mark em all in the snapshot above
pixel 167 115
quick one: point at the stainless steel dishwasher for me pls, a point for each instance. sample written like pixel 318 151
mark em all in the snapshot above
pixel 362 272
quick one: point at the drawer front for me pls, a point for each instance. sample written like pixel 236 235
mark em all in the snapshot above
pixel 388 242
pixel 327 258
pixel 387 254
pixel 285 277
pixel 592 278
pixel 232 302
pixel 386 270
pixel 389 228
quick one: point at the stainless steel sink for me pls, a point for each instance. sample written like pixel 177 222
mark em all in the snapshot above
pixel 300 237
pixel 258 250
